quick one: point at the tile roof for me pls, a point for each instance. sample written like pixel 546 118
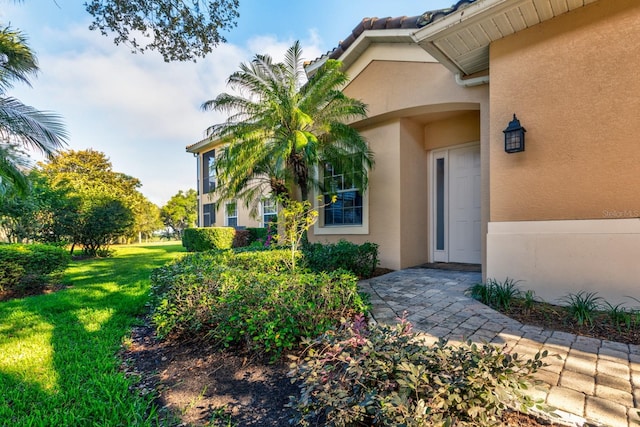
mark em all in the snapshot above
pixel 416 22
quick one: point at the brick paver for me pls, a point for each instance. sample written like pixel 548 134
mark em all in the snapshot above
pixel 588 381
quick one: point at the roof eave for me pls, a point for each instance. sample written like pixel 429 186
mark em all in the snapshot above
pixel 368 37
pixel 451 23
pixel 200 145
pixel 459 24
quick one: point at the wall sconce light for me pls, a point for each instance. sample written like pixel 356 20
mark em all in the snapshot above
pixel 514 136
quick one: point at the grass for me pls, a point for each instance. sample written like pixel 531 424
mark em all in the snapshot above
pixel 58 352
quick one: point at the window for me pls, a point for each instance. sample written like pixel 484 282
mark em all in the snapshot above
pixel 231 213
pixel 209 171
pixel 269 212
pixel 208 214
pixel 347 209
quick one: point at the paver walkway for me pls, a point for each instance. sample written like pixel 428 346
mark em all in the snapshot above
pixel 593 382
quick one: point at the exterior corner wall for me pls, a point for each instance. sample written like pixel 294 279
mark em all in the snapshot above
pixel 573 83
pixel 554 258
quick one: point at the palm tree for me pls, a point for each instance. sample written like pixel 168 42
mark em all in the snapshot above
pixel 280 129
pixel 21 126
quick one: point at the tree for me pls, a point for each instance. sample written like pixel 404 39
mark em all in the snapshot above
pixel 178 30
pixel 146 217
pixel 21 126
pixel 279 129
pixel 108 197
pixel 102 221
pixel 181 211
pixel 43 214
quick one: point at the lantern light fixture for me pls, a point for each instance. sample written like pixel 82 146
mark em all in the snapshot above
pixel 514 136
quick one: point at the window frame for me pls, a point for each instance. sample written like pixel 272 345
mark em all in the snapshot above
pixel 228 217
pixel 208 171
pixel 320 228
pixel 264 223
pixel 211 214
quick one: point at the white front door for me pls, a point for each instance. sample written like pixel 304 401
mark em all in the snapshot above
pixel 456 205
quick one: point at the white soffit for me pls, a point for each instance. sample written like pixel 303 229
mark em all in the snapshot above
pixel 461 40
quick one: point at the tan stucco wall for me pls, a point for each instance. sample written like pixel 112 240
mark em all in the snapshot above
pixel 573 83
pixel 456 130
pixel 244 219
pixel 414 195
pixel 400 89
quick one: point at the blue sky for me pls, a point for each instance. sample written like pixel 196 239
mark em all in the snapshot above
pixel 141 111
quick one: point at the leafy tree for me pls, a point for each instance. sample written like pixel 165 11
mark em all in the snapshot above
pixel 181 211
pixel 21 126
pixel 104 195
pixel 280 129
pixel 102 221
pixel 43 214
pixel 146 217
pixel 178 30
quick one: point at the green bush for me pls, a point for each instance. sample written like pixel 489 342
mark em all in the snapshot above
pixel 207 238
pixel 257 234
pixel 361 260
pixel 385 376
pixel 11 274
pixel 267 261
pixel 266 312
pixel 30 265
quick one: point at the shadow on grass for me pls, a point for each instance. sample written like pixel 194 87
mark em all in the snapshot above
pixel 59 365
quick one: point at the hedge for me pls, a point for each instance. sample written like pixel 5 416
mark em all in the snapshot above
pixel 361 260
pixel 207 238
pixel 27 265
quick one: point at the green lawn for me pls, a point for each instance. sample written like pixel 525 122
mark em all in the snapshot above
pixel 58 352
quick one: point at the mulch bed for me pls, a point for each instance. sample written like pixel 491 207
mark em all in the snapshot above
pixel 200 385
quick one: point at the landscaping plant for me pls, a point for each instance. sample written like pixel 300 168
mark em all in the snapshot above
pixel 497 294
pixel 378 375
pixel 361 260
pixel 28 266
pixel 583 306
pixel 249 299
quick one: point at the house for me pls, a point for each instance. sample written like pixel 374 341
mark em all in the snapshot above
pixel 561 216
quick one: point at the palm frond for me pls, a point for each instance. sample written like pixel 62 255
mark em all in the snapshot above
pixel 13 168
pixel 39 130
pixel 17 61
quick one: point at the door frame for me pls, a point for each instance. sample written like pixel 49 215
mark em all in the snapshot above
pixel 434 254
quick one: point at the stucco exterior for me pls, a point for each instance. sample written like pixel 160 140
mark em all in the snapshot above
pixel 419 110
pixel 564 213
pixel 573 82
pixel 204 197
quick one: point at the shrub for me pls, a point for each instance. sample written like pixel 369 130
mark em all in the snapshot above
pixel 11 273
pixel 257 234
pixel 385 376
pixel 207 238
pixel 361 260
pixel 267 261
pixel 265 311
pixel 28 265
pixel 241 239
